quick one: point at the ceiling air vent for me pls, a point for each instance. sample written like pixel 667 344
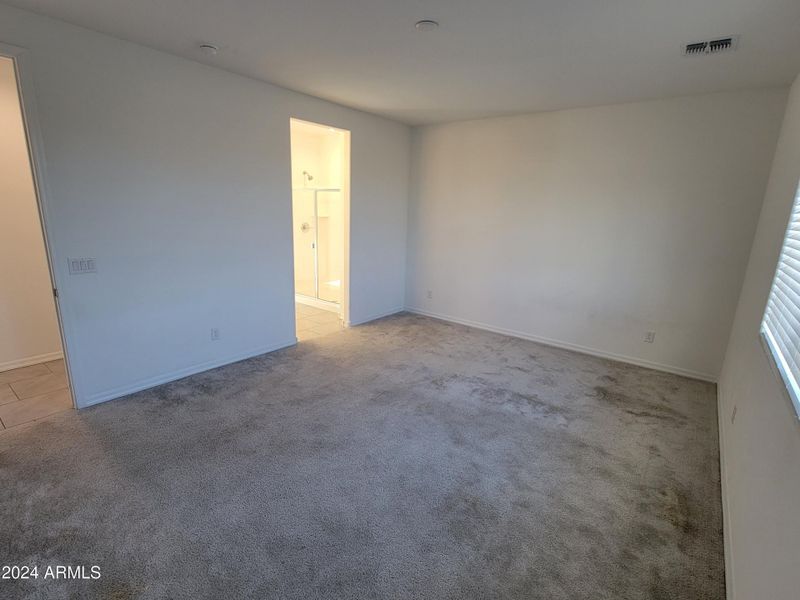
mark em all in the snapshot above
pixel 715 46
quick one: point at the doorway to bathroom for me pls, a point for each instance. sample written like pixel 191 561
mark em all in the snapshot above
pixel 320 159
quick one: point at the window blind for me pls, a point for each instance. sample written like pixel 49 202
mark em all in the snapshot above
pixel 781 325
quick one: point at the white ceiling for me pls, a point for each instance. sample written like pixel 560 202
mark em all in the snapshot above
pixel 489 57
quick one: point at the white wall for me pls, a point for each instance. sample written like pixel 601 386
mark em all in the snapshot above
pixel 176 177
pixel 761 447
pixel 27 313
pixel 319 151
pixel 590 227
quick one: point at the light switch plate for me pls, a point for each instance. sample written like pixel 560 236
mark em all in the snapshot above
pixel 79 266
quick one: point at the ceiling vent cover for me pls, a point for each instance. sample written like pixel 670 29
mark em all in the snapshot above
pixel 714 46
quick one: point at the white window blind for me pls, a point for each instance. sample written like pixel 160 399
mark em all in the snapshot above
pixel 781 325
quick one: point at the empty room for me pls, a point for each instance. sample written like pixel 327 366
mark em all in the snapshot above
pixel 400 300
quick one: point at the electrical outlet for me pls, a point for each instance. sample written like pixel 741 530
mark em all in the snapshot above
pixel 649 336
pixel 430 294
pixel 733 414
pixel 214 333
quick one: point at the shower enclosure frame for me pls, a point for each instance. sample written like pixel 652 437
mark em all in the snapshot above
pixel 316 297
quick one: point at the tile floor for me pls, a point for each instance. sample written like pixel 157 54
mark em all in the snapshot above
pixel 33 392
pixel 315 322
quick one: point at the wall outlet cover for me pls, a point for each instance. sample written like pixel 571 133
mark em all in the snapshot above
pixel 79 266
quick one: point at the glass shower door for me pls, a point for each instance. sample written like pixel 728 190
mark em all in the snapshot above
pixel 305 233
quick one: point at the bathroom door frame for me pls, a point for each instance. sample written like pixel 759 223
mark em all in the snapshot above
pixel 345 192
pixel 30 123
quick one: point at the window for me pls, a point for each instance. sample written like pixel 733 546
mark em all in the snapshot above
pixel 781 325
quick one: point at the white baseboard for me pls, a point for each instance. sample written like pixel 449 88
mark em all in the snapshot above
pixel 31 360
pixel 569 346
pixel 727 542
pixel 317 303
pixel 150 382
pixel 393 311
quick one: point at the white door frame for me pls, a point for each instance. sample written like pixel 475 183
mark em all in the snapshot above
pixel 33 136
pixel 345 191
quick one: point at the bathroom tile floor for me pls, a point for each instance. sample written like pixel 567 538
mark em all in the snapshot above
pixel 33 392
pixel 315 322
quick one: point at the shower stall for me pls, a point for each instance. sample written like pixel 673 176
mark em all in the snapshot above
pixel 318 243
